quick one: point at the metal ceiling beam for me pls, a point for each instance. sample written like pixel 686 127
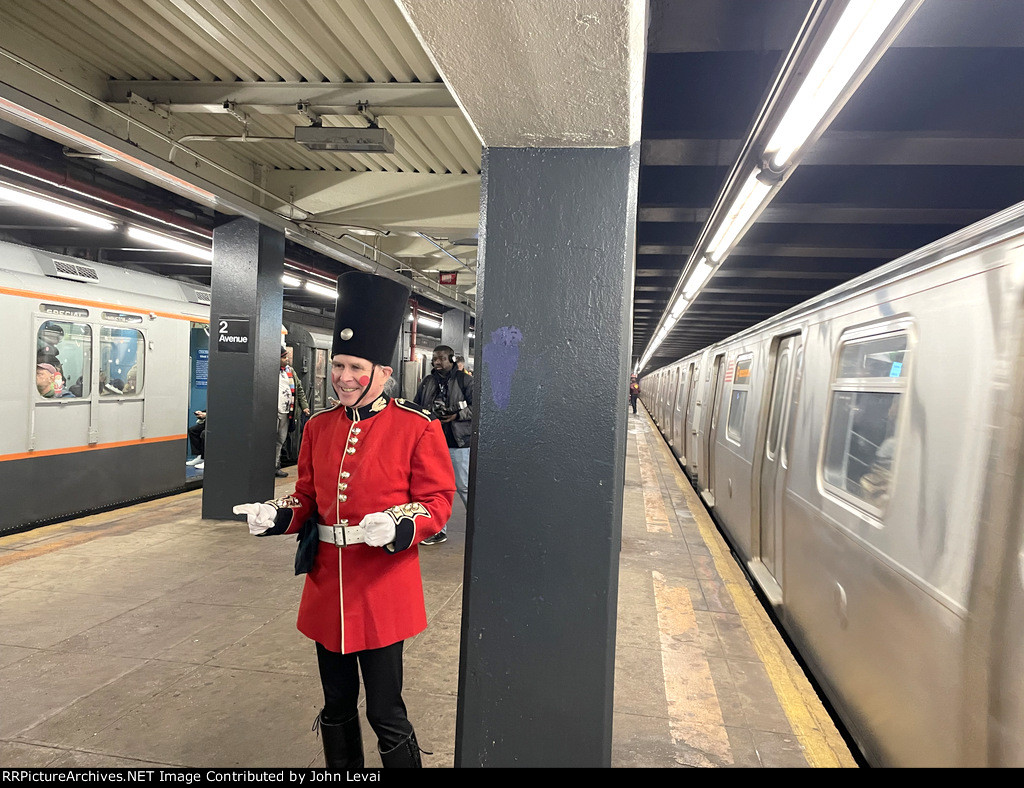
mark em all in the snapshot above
pixel 816 213
pixel 375 94
pixel 851 148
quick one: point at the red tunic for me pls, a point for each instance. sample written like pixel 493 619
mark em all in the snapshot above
pixel 352 463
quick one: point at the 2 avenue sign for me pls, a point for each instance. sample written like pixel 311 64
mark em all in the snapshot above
pixel 233 335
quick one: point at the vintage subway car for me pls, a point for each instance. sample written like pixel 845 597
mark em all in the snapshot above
pixel 105 366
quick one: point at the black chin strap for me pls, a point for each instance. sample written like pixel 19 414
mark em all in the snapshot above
pixel 373 371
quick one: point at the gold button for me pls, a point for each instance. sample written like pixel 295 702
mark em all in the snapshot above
pixel 343 486
pixel 345 474
pixel 342 522
pixel 353 440
pixel 357 430
pixel 350 450
pixel 343 498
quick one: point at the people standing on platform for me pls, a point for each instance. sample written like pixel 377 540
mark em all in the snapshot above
pixel 634 391
pixel 460 364
pixel 289 392
pixel 374 481
pixel 447 393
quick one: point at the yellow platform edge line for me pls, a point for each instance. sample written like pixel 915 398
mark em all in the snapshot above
pixel 822 743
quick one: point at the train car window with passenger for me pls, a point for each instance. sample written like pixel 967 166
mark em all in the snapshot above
pixel 122 357
pixel 63 359
pixel 860 445
pixel 738 399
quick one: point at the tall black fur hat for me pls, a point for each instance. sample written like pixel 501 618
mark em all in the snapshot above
pixel 369 316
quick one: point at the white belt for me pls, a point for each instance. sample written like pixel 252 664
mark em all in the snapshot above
pixel 342 535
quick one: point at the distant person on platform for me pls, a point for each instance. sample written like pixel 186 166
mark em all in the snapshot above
pixel 374 480
pixel 634 391
pixel 460 365
pixel 289 392
pixel 447 393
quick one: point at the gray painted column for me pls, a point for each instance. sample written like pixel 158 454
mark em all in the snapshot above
pixel 248 260
pixel 455 331
pixel 545 514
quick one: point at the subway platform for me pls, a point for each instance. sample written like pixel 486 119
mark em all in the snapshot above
pixel 149 637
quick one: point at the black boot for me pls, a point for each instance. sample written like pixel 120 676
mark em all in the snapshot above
pixel 343 743
pixel 405 754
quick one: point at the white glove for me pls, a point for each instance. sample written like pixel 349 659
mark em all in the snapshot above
pixel 379 529
pixel 260 516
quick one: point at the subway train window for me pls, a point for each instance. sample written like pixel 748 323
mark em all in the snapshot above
pixel 122 357
pixel 738 401
pixel 63 359
pixel 861 440
pixel 778 397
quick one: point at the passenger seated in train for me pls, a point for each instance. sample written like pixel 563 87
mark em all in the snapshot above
pixel 47 382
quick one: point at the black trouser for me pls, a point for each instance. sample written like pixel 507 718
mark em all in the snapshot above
pixel 197 438
pixel 632 401
pixel 382 677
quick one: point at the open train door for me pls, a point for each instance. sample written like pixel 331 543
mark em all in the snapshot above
pixel 774 463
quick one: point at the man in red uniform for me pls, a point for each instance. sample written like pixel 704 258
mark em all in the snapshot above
pixel 375 474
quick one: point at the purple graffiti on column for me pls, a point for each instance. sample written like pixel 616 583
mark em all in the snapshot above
pixel 501 356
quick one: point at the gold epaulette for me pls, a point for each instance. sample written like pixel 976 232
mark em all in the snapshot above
pixel 412 407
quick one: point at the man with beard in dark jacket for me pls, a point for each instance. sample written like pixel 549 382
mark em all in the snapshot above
pixel 447 393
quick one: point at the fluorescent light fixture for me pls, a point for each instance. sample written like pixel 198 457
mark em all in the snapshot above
pixel 856 33
pixel 291 281
pixel 697 278
pixel 679 307
pixel 429 323
pixel 329 292
pixel 54 208
pixel 746 203
pixel 171 244
pixel 338 138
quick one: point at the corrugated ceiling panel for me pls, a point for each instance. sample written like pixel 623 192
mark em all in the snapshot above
pixel 263 40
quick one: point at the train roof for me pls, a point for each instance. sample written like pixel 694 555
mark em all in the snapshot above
pixel 25 261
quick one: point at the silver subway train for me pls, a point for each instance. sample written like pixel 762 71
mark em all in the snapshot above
pixel 863 453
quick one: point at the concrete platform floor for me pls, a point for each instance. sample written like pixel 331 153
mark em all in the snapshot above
pixel 147 636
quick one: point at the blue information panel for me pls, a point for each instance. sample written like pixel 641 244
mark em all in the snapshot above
pixel 202 368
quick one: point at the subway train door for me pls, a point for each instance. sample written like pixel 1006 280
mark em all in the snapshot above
pixel 689 421
pixel 774 460
pixel 717 383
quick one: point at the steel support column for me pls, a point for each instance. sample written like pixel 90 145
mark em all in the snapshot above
pixel 539 607
pixel 248 260
pixel 455 331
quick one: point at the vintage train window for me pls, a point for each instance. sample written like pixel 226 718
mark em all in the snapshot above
pixel 122 361
pixel 738 400
pixel 63 359
pixel 860 443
